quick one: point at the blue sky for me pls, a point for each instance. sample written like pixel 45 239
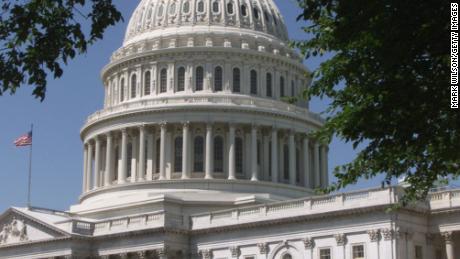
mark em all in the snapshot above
pixel 57 158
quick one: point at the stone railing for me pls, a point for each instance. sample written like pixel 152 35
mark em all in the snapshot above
pixel 231 100
pixel 295 208
pixel 444 199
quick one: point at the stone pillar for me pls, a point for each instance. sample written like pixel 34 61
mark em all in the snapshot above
pixel 274 155
pixel 450 249
pixel 124 157
pixel 254 154
pixel 292 159
pixel 263 250
pixel 341 242
pixel 89 168
pixel 388 249
pixel 374 236
pixel 150 156
pixel 309 244
pixel 306 163
pixel 231 153
pixel 108 160
pixel 85 167
pixel 134 158
pixel 141 174
pixel 209 153
pixel 97 163
pixel 162 152
pixel 317 172
pixel 185 149
pixel 324 169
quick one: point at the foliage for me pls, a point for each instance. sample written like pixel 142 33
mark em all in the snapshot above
pixel 388 81
pixel 38 36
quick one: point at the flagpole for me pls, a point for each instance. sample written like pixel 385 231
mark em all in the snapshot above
pixel 30 168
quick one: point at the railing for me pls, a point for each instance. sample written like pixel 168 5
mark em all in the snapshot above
pixel 229 100
pixel 444 199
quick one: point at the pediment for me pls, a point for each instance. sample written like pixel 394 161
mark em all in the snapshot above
pixel 16 227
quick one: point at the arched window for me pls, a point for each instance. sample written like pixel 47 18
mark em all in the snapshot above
pixel 199 79
pixel 275 21
pixel 292 88
pixel 133 86
pixel 253 82
pixel 181 79
pixel 200 6
pixel 215 7
pixel 267 17
pixel 286 162
pixel 218 154
pixel 282 94
pixel 163 80
pixel 230 8
pixel 160 10
pixel 287 256
pixel 178 154
pixel 122 90
pixel 269 85
pixel 130 158
pixel 239 155
pixel 244 10
pixel 186 7
pixel 236 80
pixel 256 13
pixel 218 79
pixel 147 82
pixel 157 155
pixel 198 150
pixel 172 8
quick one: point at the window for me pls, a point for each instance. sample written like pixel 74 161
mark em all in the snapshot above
pixel 236 80
pixel 133 86
pixel 157 155
pixel 198 149
pixel 163 80
pixel 297 165
pixel 230 8
pixel 239 155
pixel 186 7
pixel 199 79
pixel 178 154
pixel 256 13
pixel 282 87
pixel 200 6
pixel 418 252
pixel 259 152
pixel 218 79
pixel 172 8
pixel 287 256
pixel 275 20
pixel 325 253
pixel 286 162
pixel 269 85
pixel 253 82
pixel 160 10
pixel 292 88
pixel 267 17
pixel 122 90
pixel 244 10
pixel 181 79
pixel 147 81
pixel 218 154
pixel 358 252
pixel 215 7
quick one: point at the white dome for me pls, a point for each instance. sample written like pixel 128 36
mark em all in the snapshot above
pixel 152 17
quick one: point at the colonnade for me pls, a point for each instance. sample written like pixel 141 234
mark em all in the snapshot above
pixel 186 150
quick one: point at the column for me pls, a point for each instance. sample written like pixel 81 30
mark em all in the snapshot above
pixel 141 174
pixel 340 248
pixel 135 158
pixel 150 156
pixel 317 173
pixel 108 160
pixel 306 163
pixel 162 152
pixel 209 152
pixel 123 173
pixel 185 149
pixel 231 153
pixel 292 159
pixel 448 239
pixel 254 155
pixel 374 236
pixel 89 169
pixel 97 163
pixel 324 169
pixel 281 160
pixel 247 155
pixel 85 167
pixel 274 155
pixel 266 157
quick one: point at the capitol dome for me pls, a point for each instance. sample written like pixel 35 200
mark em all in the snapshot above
pixel 201 107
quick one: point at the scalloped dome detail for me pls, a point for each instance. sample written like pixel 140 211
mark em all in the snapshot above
pixel 155 15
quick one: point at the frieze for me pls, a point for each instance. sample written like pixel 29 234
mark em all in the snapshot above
pixel 14 232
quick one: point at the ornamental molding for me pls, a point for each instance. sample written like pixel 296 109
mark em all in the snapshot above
pixel 14 232
pixel 374 235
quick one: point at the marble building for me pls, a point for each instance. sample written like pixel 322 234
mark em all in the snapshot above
pixel 202 151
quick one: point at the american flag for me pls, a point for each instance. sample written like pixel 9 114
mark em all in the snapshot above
pixel 24 140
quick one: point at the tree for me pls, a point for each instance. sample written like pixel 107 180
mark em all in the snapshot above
pixel 39 36
pixel 388 81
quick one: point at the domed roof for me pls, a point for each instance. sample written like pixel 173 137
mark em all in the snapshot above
pixel 152 17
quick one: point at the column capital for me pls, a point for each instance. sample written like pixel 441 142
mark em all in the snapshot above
pixel 388 234
pixel 124 131
pixel 235 251
pixel 205 253
pixel 163 124
pixel 447 236
pixel 374 235
pixel 109 134
pixel 309 243
pixel 263 248
pixel 142 126
pixel 341 239
pixel 186 124
pixel 209 125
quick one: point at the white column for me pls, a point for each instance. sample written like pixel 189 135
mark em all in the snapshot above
pixel 85 166
pixel 448 239
pixel 89 169
pixel 387 244
pixel 231 153
pixel 274 155
pixel 317 172
pixel 185 149
pixel 209 152
pixel 374 251
pixel 150 156
pixel 134 158
pixel 141 174
pixel 254 155
pixel 162 152
pixel 124 157
pixel 97 163
pixel 108 160
pixel 292 159
pixel 306 162
pixel 340 248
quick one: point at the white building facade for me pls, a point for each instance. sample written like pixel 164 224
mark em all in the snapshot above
pixel 202 151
